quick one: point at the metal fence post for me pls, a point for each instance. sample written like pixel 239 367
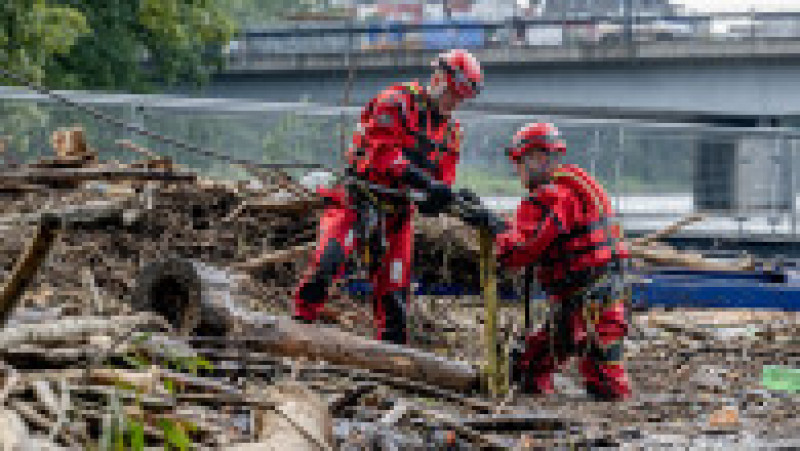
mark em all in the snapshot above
pixel 793 185
pixel 618 167
pixel 595 152
pixel 775 195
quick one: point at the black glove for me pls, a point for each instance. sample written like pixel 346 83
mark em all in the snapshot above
pixel 482 218
pixel 474 213
pixel 439 195
pixel 468 197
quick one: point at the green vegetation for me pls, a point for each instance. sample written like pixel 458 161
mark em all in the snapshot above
pixel 126 432
pixel 487 183
pixel 124 44
pixel 34 32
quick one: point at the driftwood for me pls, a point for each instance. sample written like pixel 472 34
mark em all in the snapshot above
pixel 645 240
pixel 26 267
pixel 478 439
pixel 275 204
pixel 130 145
pixel 667 256
pixel 211 289
pixel 77 161
pixel 293 205
pixel 646 248
pixel 72 330
pixel 97 213
pixel 71 142
pixel 75 176
pixel 274 257
pixel 299 420
pixel 14 434
pixel 35 252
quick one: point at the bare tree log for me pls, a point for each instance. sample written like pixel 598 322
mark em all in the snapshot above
pixel 213 290
pixel 72 330
pixel 645 240
pixel 75 176
pixel 670 257
pixel 293 205
pixel 26 267
pixel 274 257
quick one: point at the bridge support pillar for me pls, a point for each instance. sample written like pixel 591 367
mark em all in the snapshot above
pixel 738 173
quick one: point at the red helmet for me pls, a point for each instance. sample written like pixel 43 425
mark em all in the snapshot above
pixel 536 136
pixel 463 72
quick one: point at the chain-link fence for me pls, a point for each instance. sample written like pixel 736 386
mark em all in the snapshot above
pixel 744 179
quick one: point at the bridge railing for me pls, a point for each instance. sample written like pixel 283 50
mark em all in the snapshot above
pixel 301 38
pixel 745 179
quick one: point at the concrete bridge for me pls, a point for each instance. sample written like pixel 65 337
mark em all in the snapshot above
pixel 736 82
pixel 752 83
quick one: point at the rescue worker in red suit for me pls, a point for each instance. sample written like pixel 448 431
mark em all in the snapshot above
pixel 563 229
pixel 405 140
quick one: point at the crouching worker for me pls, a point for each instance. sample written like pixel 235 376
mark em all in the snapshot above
pixel 562 228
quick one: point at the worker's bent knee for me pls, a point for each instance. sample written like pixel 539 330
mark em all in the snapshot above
pixel 316 287
pixel 394 308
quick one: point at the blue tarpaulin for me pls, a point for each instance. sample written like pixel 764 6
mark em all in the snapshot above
pixel 673 288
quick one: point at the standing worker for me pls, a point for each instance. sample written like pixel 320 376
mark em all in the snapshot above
pixel 563 228
pixel 405 140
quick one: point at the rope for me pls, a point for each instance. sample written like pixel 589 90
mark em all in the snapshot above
pixel 182 145
pixel 175 142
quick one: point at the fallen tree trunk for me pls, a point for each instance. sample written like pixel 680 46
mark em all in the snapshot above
pixel 72 330
pixel 211 289
pixel 664 256
pixel 655 236
pixel 74 176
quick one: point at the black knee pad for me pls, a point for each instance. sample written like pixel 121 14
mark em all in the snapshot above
pixel 316 288
pixel 394 308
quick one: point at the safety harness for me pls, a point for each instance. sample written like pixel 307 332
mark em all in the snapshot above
pixel 426 154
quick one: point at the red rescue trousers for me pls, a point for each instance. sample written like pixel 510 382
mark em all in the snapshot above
pixel 389 277
pixel 594 332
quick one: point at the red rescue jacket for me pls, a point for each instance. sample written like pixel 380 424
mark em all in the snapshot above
pixel 399 127
pixel 563 228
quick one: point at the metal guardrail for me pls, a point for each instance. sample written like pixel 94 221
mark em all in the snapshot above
pixel 569 31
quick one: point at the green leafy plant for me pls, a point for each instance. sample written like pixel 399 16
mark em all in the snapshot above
pixel 126 432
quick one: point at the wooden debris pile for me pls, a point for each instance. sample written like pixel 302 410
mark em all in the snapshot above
pixel 168 323
pixel 648 250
